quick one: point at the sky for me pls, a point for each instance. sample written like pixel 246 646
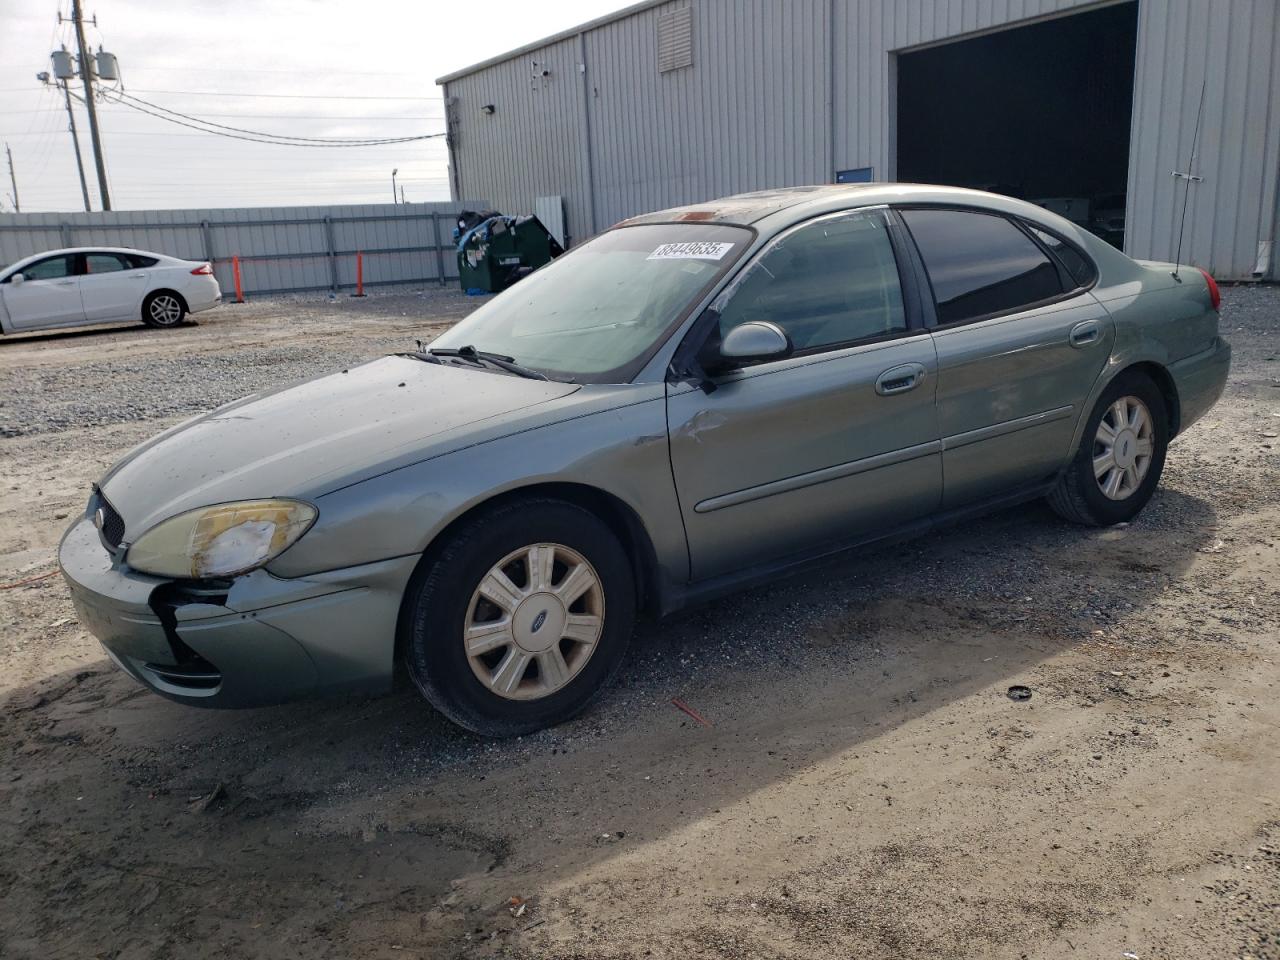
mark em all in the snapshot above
pixel 305 68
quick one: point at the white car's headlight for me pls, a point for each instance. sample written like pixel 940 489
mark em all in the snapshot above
pixel 221 541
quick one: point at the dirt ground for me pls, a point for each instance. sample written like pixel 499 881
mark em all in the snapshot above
pixel 863 787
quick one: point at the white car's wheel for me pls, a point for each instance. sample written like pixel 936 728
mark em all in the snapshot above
pixel 164 308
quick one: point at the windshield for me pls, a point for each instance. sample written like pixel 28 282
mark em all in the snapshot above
pixel 598 313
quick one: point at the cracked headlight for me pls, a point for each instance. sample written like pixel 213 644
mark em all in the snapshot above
pixel 223 540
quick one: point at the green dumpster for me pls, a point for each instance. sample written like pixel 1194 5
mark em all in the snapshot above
pixel 496 252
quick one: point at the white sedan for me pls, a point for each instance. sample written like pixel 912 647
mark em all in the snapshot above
pixel 82 285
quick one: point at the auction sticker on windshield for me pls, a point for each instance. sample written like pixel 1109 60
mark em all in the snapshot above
pixel 695 250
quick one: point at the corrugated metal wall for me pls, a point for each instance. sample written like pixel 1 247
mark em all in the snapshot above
pixel 532 144
pixel 749 113
pixel 787 93
pixel 281 249
pixel 1233 48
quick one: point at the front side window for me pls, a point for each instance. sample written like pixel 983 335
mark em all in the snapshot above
pixel 980 264
pixel 53 268
pixel 598 313
pixel 834 281
pixel 104 263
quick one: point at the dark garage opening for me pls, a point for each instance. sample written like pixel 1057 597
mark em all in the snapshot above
pixel 1039 112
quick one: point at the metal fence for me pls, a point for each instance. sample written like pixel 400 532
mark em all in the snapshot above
pixel 278 249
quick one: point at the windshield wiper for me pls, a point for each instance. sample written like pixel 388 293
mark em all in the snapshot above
pixel 469 352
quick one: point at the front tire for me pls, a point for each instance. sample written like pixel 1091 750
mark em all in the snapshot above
pixel 1121 455
pixel 164 308
pixel 521 618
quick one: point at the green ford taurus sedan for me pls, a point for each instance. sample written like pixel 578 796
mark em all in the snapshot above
pixel 691 402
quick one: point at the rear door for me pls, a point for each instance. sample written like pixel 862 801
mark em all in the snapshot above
pixel 111 287
pixel 49 295
pixel 1020 342
pixel 835 442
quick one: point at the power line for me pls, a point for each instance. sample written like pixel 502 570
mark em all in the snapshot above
pixel 255 137
pixel 279 96
pixel 131 101
pixel 278 116
pixel 289 70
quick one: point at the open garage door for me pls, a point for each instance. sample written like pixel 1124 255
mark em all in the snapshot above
pixel 1039 112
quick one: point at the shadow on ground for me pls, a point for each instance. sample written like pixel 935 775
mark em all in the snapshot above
pixel 134 826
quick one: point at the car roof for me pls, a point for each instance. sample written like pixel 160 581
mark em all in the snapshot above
pixel 745 209
pixel 102 249
pixel 742 208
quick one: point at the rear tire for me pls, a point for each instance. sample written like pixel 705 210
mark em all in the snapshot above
pixel 163 308
pixel 1121 455
pixel 521 618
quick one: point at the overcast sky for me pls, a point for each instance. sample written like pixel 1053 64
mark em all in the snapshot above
pixel 312 69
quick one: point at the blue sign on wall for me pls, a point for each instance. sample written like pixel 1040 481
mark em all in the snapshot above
pixel 857 175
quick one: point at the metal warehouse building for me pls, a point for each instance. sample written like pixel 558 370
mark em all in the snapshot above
pixel 1088 108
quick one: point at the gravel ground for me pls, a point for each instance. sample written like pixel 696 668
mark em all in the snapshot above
pixel 151 375
pixel 865 787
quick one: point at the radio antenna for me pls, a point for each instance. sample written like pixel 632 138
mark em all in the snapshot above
pixel 1191 178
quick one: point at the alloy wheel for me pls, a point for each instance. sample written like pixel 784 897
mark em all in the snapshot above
pixel 534 621
pixel 166 310
pixel 1123 447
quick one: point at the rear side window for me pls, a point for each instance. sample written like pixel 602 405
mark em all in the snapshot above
pixel 980 264
pixel 1077 264
pixel 137 261
pixel 830 282
pixel 104 263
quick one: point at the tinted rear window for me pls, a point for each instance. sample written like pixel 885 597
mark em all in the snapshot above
pixel 1077 264
pixel 139 261
pixel 980 264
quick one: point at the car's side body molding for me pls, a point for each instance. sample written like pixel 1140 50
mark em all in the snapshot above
pixel 1007 427
pixel 819 476
pixel 673 597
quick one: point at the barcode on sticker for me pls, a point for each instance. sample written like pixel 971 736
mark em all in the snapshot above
pixel 692 250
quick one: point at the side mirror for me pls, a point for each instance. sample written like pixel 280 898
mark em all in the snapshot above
pixel 17 279
pixel 754 342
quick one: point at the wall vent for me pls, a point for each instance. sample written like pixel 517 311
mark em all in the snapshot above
pixel 675 40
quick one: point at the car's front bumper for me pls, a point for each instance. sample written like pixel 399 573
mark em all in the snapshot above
pixel 257 640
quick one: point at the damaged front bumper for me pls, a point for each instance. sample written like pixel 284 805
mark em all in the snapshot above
pixel 254 640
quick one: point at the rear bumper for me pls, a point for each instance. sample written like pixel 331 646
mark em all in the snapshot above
pixel 1200 380
pixel 258 640
pixel 203 295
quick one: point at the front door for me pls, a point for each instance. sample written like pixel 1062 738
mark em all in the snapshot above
pixel 1020 344
pixel 835 442
pixel 111 288
pixel 49 295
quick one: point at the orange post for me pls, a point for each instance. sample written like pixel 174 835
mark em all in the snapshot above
pixel 359 274
pixel 235 270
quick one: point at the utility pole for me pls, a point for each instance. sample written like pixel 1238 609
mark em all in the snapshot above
pixel 86 74
pixel 13 180
pixel 75 142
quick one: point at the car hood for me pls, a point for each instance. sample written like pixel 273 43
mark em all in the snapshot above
pixel 298 440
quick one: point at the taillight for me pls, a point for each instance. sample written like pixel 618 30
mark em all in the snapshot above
pixel 204 270
pixel 1215 295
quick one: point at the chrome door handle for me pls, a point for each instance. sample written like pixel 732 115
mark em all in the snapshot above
pixel 1085 333
pixel 137 276
pixel 65 283
pixel 900 379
